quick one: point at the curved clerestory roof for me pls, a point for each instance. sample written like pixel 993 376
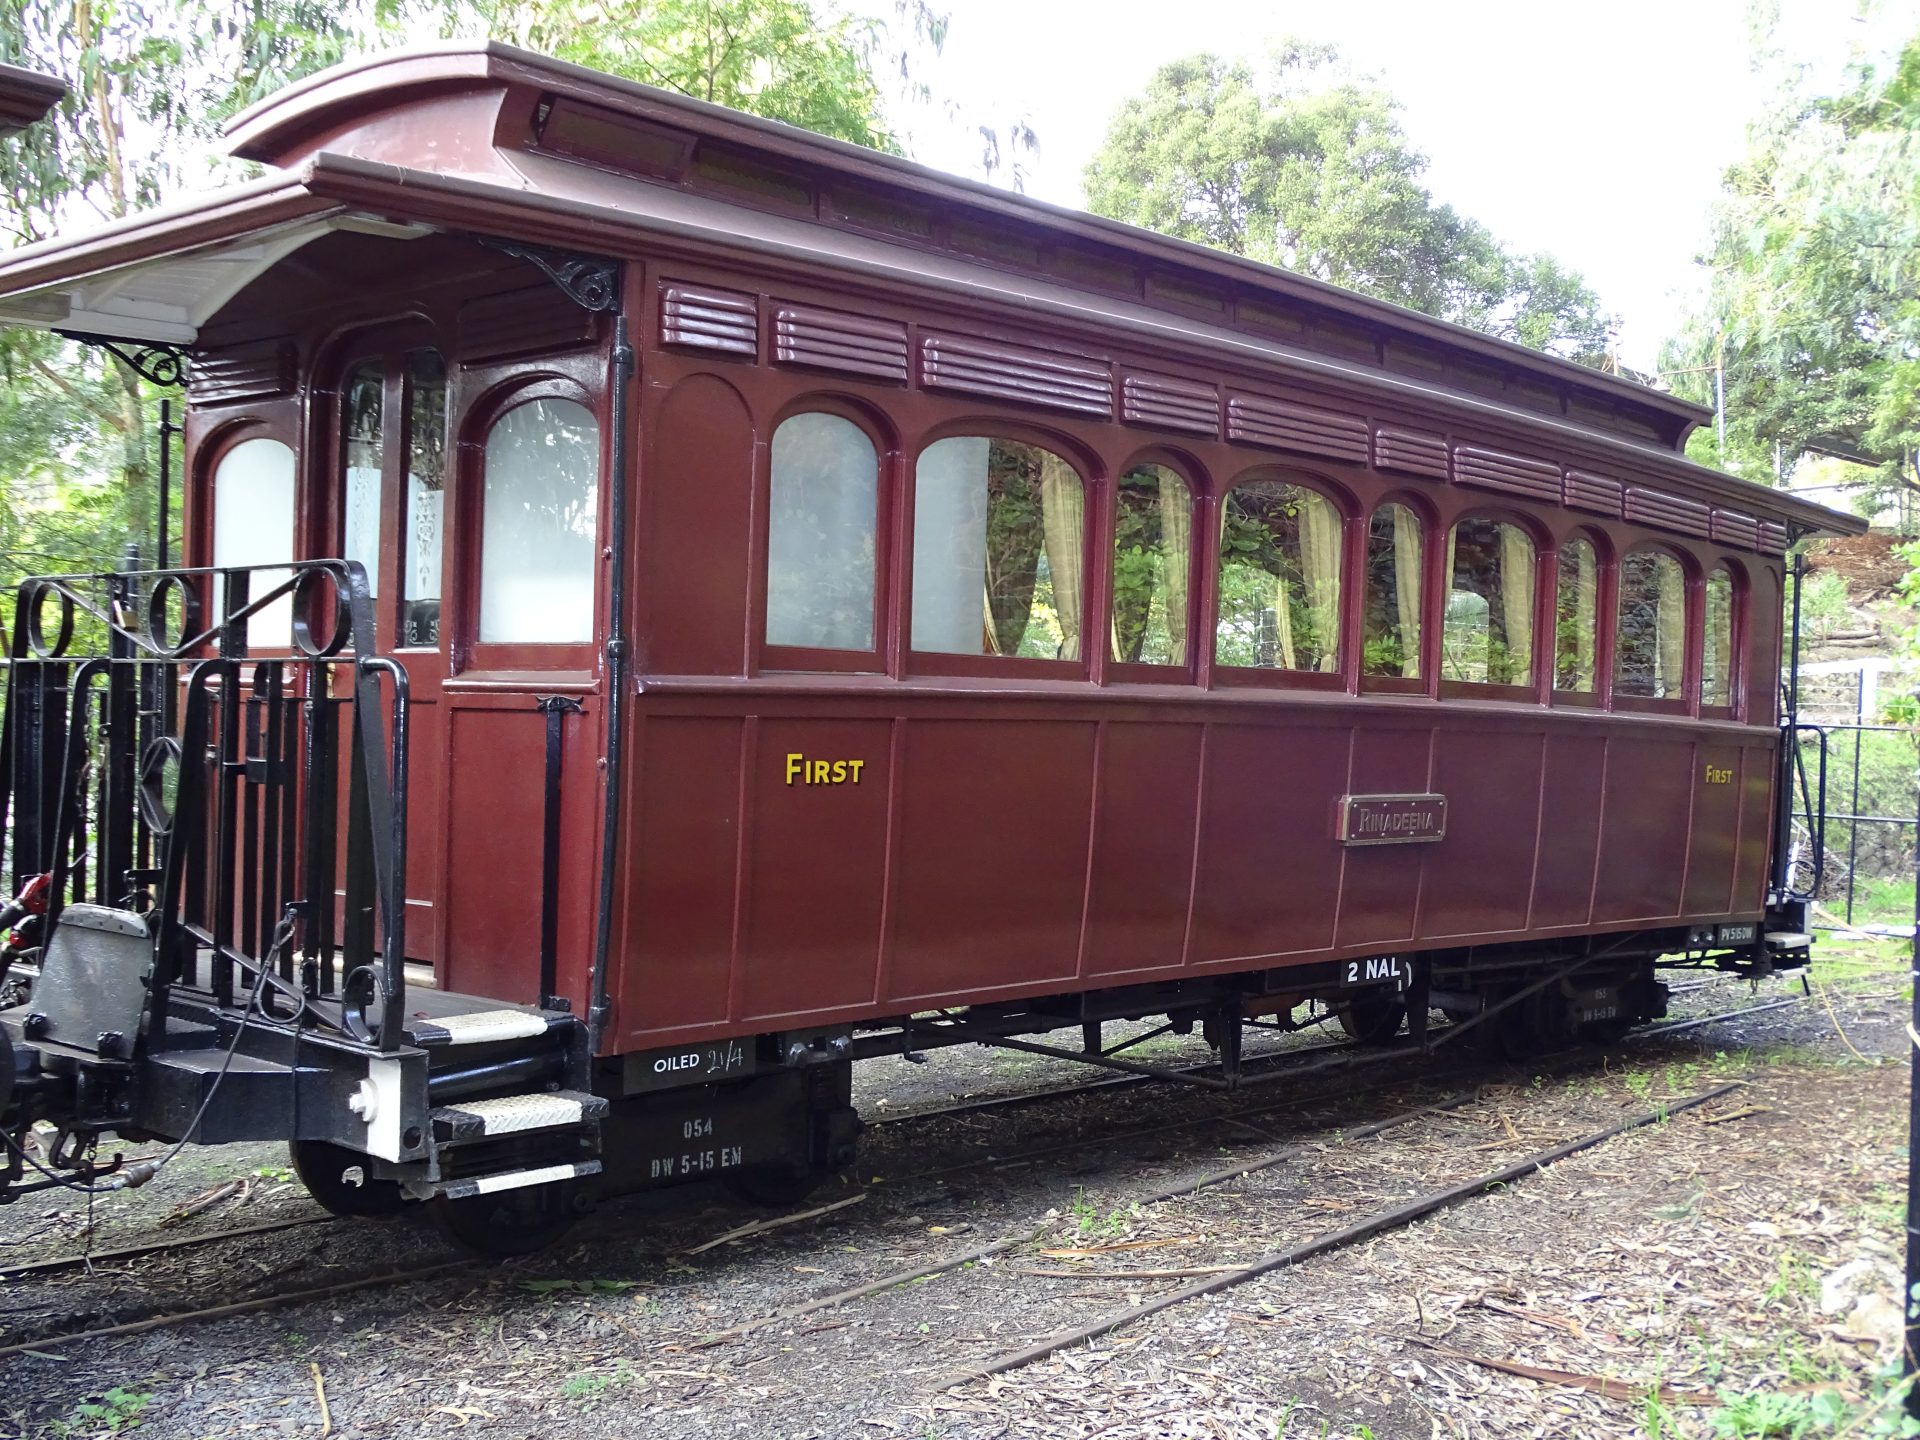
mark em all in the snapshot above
pixel 484 138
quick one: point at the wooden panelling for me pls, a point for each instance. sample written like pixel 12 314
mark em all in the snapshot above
pixel 1572 779
pixel 1169 404
pixel 1012 372
pixel 1644 845
pixel 1668 512
pixel 1411 452
pixel 522 322
pixel 1280 426
pixel 1730 527
pixel 699 318
pixel 698 464
pixel 1380 884
pixel 1508 474
pixel 1142 847
pixel 242 372
pixel 835 340
pixel 1599 494
pixel 1479 877
pixel 1716 824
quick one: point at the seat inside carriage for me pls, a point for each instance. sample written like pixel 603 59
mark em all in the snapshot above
pixel 673 606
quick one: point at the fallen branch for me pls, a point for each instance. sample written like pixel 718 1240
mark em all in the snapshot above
pixel 1596 1384
pixel 1739 1114
pixel 1187 1273
pixel 320 1394
pixel 180 1214
pixel 761 1226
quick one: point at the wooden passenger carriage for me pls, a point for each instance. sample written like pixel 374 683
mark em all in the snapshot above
pixel 806 592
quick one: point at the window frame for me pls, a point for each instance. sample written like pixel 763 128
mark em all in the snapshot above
pixel 1544 548
pixel 1691 587
pixel 1423 509
pixel 465 650
pixel 1740 582
pixel 1094 484
pixel 1346 505
pixel 1599 697
pixel 887 453
pixel 223 437
pixel 1140 672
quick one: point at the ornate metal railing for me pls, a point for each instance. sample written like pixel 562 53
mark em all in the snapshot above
pixel 150 761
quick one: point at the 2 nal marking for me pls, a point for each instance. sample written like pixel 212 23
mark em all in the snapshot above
pixel 802 770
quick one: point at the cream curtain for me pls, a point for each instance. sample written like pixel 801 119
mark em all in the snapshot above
pixel 1516 605
pixel 1576 616
pixel 1450 663
pixel 1587 621
pixel 1671 628
pixel 1063 511
pixel 1320 565
pixel 1176 559
pixel 1406 587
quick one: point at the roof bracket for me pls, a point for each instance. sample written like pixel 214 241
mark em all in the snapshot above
pixel 157 362
pixel 588 281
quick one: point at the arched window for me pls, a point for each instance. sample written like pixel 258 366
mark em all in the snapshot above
pixel 823 509
pixel 537 521
pixel 1650 644
pixel 999 530
pixel 1576 614
pixel 1279 578
pixel 253 525
pixel 1488 636
pixel 1152 557
pixel 1717 657
pixel 1392 642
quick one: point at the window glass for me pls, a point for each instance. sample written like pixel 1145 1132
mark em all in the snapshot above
pixel 1576 616
pixel 1279 578
pixel 1716 659
pixel 362 401
pixel 820 534
pixel 1152 557
pixel 1488 635
pixel 253 525
pixel 1392 644
pixel 537 525
pixel 998 532
pixel 426 494
pixel 1650 648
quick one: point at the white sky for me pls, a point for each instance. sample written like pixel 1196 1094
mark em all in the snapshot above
pixel 1596 133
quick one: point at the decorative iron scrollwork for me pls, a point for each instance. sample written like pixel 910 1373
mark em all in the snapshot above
pixel 155 361
pixel 588 281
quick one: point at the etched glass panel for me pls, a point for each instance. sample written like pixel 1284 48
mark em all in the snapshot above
pixel 1650 646
pixel 426 496
pixel 823 509
pixel 253 525
pixel 362 401
pixel 537 525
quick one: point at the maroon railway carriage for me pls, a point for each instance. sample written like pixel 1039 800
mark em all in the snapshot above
pixel 729 603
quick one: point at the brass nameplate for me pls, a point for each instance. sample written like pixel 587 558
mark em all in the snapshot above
pixel 1392 819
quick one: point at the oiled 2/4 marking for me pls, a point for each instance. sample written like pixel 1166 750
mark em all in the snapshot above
pixel 804 770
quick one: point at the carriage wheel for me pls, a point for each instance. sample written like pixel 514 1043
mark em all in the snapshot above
pixel 337 1179
pixel 511 1222
pixel 1373 1019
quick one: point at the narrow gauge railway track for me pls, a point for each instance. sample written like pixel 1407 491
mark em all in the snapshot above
pixel 390 1276
pixel 1312 1059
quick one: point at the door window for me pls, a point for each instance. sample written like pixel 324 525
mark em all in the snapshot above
pixel 537 525
pixel 253 525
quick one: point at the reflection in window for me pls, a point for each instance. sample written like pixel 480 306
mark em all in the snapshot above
pixel 1576 617
pixel 1152 554
pixel 537 525
pixel 1393 594
pixel 1650 648
pixel 362 401
pixel 998 533
pixel 820 534
pixel 253 525
pixel 1716 659
pixel 426 494
pixel 1279 578
pixel 1488 635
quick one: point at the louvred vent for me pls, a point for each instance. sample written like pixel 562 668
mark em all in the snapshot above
pixel 1598 493
pixel 1510 474
pixel 1008 372
pixel 1170 404
pixel 1730 527
pixel 1281 426
pixel 1669 512
pixel 241 372
pixel 1773 537
pixel 835 340
pixel 1412 452
pixel 703 319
